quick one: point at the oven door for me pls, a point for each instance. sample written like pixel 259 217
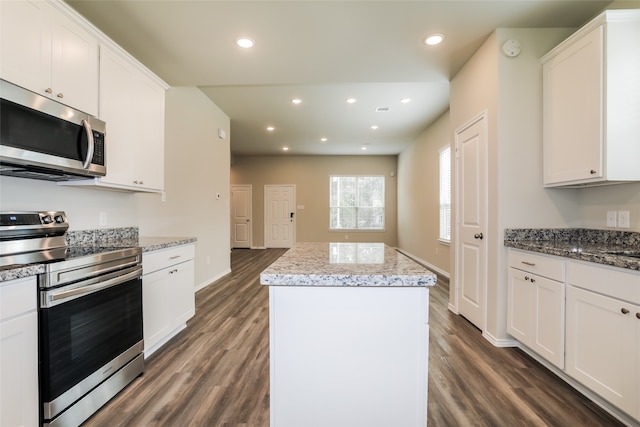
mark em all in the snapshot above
pixel 87 332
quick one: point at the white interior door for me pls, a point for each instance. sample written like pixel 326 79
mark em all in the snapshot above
pixel 471 154
pixel 241 216
pixel 279 216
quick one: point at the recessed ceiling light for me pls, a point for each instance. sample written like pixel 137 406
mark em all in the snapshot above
pixel 245 42
pixel 405 100
pixel 374 127
pixel 270 128
pixel 364 148
pixel 323 139
pixel 350 100
pixel 296 101
pixel 285 148
pixel 434 39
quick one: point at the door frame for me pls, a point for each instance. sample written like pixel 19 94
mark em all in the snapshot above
pixel 232 234
pixel 293 207
pixel 482 116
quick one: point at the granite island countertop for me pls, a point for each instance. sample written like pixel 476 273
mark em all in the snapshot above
pixel 346 264
pixel 605 247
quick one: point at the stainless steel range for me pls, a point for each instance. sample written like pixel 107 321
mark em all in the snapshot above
pixel 90 314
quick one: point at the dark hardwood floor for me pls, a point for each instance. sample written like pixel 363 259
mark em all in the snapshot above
pixel 216 372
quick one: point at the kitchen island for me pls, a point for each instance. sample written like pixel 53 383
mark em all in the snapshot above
pixel 349 336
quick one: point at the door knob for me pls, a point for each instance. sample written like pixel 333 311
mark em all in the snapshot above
pixel 478 236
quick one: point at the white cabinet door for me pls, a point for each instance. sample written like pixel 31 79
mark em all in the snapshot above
pixel 18 353
pixel 536 303
pixel 74 65
pixel 155 306
pixel 590 103
pixel 133 108
pixel 519 306
pixel 181 292
pixel 548 320
pixel 535 311
pixel 26 44
pixel 168 294
pixel 573 111
pixel 19 371
pixel 602 348
pixel 46 52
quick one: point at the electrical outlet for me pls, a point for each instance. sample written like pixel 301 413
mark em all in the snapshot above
pixel 103 219
pixel 623 219
pixel 612 219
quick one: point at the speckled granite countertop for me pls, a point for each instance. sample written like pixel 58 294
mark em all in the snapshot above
pixel 579 243
pixel 149 244
pixel 346 264
pixel 114 237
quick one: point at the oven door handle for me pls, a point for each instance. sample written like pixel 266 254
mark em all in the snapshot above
pixel 52 298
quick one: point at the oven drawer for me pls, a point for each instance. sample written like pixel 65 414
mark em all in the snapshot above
pixel 163 258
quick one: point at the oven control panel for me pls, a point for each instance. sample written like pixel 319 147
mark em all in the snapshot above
pixel 32 224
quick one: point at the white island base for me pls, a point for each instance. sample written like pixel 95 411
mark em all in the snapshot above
pixel 343 356
pixel 347 355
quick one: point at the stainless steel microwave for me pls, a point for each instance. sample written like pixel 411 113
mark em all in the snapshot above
pixel 43 139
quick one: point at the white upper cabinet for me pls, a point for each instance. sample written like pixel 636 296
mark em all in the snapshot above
pixel 48 53
pixel 132 105
pixel 591 113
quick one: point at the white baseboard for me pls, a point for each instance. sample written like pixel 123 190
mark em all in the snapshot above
pixel 211 280
pixel 425 263
pixel 258 247
pixel 452 308
pixel 500 342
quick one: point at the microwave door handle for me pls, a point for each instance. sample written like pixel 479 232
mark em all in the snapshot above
pixel 90 143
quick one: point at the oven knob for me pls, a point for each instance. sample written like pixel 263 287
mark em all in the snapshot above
pixel 47 219
pixel 59 219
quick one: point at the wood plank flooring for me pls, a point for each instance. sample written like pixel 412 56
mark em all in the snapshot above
pixel 216 372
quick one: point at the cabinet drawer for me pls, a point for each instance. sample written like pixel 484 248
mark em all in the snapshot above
pixel 611 281
pixel 542 265
pixel 17 297
pixel 163 258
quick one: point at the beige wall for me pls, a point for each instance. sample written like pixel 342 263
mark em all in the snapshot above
pixel 418 197
pixel 196 164
pixel 310 175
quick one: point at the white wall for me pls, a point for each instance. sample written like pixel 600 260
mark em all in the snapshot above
pixel 509 90
pixel 196 166
pixel 418 197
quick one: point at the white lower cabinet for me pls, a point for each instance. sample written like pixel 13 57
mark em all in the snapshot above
pixel 603 333
pixel 168 294
pixel 18 353
pixel 536 303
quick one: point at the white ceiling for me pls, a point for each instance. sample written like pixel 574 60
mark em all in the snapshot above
pixel 322 52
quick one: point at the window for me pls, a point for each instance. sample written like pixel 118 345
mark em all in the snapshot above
pixel 356 203
pixel 445 194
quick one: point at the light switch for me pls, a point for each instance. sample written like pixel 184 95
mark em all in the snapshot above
pixel 623 219
pixel 612 218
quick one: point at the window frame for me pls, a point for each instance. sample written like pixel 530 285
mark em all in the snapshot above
pixel 444 224
pixel 382 228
